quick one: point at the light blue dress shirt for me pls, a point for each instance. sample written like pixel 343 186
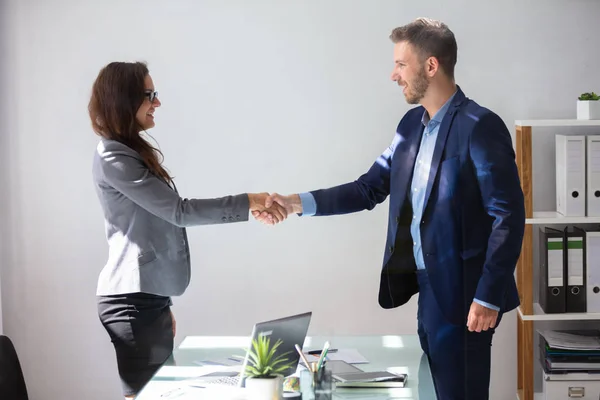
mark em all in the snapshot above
pixel 420 178
pixel 418 185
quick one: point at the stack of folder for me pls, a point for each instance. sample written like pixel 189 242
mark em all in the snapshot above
pixel 563 352
pixel 569 270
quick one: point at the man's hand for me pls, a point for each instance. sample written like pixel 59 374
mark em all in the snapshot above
pixel 481 318
pixel 271 214
pixel 291 204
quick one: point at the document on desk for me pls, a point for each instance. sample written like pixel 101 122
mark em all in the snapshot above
pixel 184 390
pixel 351 356
pixel 221 392
pixel 174 371
pixel 225 362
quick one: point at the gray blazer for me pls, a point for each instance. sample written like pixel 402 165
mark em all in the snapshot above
pixel 145 222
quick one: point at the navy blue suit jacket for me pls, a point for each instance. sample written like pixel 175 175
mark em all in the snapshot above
pixel 474 215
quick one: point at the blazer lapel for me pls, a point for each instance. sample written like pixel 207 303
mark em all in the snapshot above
pixel 440 142
pixel 407 162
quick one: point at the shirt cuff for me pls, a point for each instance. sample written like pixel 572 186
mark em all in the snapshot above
pixel 488 305
pixel 309 205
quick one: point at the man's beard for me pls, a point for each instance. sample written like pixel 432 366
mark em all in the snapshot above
pixel 417 89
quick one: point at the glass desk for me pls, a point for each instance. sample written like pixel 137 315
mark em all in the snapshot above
pixel 401 353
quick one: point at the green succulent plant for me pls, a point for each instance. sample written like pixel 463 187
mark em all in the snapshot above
pixel 262 361
pixel 589 96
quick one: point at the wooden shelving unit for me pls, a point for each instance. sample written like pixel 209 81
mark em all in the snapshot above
pixel 529 312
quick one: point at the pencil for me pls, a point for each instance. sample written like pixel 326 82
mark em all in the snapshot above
pixel 299 350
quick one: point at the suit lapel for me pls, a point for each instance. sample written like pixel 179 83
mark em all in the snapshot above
pixel 407 162
pixel 440 143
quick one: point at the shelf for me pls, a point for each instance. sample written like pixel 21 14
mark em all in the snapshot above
pixel 552 217
pixel 557 122
pixel 536 396
pixel 540 315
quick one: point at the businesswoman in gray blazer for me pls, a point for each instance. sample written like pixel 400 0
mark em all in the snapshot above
pixel 145 220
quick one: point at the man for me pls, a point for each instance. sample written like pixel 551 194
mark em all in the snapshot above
pixel 456 216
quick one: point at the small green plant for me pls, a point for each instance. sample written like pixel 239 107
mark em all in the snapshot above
pixel 589 96
pixel 262 361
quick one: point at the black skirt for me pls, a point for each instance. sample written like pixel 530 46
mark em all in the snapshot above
pixel 141 330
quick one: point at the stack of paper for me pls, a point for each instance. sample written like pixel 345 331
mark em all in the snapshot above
pixel 571 341
pixel 570 351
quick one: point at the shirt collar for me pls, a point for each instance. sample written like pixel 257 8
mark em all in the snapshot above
pixel 437 118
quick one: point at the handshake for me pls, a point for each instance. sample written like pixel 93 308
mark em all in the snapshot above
pixel 270 209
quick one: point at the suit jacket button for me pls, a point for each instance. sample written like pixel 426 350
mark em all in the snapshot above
pixel 398 219
pixel 224 219
pixel 391 249
pixel 231 218
pixel 238 217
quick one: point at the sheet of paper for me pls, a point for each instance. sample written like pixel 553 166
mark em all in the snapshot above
pixel 351 356
pixel 190 389
pixel 174 371
pixel 225 362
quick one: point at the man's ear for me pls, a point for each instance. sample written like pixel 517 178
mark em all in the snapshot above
pixel 431 66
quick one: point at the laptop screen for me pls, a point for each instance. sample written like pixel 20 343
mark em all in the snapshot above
pixel 290 330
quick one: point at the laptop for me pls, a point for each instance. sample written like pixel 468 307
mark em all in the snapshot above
pixel 290 330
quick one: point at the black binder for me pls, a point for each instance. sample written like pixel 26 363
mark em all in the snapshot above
pixel 552 270
pixel 575 261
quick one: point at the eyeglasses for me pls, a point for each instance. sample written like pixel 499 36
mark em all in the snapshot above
pixel 151 95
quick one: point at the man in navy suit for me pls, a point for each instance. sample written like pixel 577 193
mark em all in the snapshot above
pixel 456 213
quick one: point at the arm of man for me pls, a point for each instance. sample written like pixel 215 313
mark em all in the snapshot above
pixel 127 174
pixel 493 158
pixel 365 193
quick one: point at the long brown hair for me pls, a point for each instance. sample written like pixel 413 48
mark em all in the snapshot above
pixel 117 94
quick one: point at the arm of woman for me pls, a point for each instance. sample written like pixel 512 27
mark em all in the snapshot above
pixel 125 172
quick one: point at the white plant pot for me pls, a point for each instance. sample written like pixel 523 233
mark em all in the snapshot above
pixel 264 388
pixel 588 109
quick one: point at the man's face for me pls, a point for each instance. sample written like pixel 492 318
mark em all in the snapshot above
pixel 409 72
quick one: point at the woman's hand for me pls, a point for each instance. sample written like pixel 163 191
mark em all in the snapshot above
pixel 275 213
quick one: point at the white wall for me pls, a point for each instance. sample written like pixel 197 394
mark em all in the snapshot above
pixel 260 96
pixel 4 140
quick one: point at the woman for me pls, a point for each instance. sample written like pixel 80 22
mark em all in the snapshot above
pixel 145 220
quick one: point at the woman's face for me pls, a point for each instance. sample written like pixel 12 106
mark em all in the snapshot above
pixel 145 114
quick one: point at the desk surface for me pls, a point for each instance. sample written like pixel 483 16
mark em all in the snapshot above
pixel 401 353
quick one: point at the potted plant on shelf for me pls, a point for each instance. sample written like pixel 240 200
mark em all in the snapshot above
pixel 588 106
pixel 264 379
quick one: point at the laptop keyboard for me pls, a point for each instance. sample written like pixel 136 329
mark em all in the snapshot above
pixel 226 380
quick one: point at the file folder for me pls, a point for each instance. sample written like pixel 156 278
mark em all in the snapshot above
pixel 575 266
pixel 570 175
pixel 552 270
pixel 593 175
pixel 593 271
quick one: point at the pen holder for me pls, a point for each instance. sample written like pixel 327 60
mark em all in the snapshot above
pixel 322 384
